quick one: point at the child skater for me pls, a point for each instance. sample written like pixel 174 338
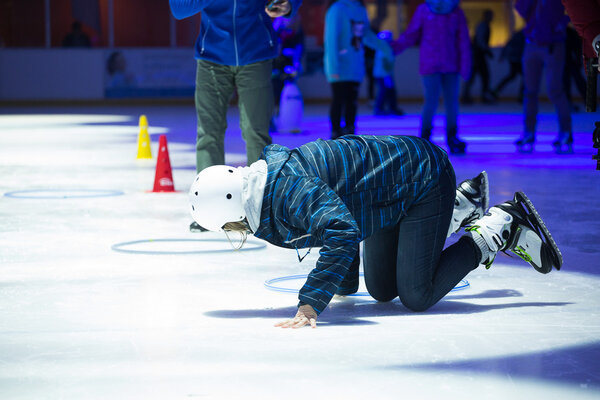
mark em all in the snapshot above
pixel 383 71
pixel 395 193
pixel 440 29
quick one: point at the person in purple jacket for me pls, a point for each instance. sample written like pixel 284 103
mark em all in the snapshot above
pixel 440 28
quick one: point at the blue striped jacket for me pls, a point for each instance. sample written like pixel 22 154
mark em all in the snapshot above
pixel 333 194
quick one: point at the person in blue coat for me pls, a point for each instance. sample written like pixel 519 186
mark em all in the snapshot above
pixel 234 51
pixel 396 194
pixel 347 31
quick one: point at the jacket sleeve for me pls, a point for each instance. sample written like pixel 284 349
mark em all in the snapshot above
pixel 585 15
pixel 412 34
pixel 370 39
pixel 295 6
pixel 524 8
pixel 185 8
pixel 333 24
pixel 464 46
pixel 312 207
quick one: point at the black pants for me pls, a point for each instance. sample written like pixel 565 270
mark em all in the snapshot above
pixel 407 260
pixel 386 96
pixel 480 67
pixel 344 102
pixel 516 69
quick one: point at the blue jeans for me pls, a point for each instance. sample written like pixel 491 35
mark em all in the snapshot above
pixel 407 260
pixel 535 58
pixel 448 85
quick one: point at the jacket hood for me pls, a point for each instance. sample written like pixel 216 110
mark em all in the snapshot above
pixel 442 6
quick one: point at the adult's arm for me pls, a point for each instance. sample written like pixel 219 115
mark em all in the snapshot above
pixel 334 19
pixel 412 35
pixel 185 8
pixel 464 46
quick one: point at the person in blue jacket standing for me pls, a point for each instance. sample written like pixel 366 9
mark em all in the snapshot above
pixel 347 30
pixel 395 193
pixel 234 51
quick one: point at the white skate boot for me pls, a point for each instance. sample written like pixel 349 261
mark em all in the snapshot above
pixel 516 226
pixel 472 199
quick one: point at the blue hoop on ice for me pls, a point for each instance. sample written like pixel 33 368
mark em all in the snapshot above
pixel 269 285
pixel 121 247
pixel 62 193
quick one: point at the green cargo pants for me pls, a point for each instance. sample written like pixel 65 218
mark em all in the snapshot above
pixel 215 84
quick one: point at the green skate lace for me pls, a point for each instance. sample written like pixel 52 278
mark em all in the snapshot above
pixel 520 251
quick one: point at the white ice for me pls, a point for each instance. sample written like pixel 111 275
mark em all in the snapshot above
pixel 79 320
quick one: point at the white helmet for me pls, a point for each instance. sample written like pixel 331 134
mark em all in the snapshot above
pixel 216 197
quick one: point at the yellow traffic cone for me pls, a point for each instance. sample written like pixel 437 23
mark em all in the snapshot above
pixel 144 150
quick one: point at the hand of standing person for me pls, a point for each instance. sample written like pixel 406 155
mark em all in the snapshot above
pixel 305 315
pixel 278 8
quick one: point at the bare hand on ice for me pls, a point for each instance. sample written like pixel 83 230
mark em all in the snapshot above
pixel 305 315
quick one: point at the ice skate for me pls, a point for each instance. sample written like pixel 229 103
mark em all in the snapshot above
pixel 471 202
pixel 516 226
pixel 455 145
pixel 196 227
pixel 564 143
pixel 526 143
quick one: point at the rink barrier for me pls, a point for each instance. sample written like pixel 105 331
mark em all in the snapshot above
pixel 56 193
pixel 269 284
pixel 249 245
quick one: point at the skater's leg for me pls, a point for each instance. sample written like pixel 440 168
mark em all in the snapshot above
pixel 379 264
pixel 449 84
pixel 351 107
pixel 533 65
pixel 425 274
pixel 379 108
pixel 432 84
pixel 255 93
pixel 214 87
pixel 335 109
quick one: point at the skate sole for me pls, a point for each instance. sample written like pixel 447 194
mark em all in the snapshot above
pixel 539 223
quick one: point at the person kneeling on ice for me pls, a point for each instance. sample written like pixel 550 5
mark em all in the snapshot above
pixel 395 193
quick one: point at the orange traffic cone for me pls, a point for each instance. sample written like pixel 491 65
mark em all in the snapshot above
pixel 163 179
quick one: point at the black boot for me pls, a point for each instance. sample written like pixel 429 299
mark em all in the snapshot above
pixel 455 145
pixel 564 143
pixel 525 144
pixel 348 130
pixel 426 134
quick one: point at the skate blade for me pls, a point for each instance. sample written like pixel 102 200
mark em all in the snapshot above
pixel 485 190
pixel 539 224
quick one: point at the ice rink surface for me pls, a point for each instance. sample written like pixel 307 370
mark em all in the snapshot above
pixel 165 320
